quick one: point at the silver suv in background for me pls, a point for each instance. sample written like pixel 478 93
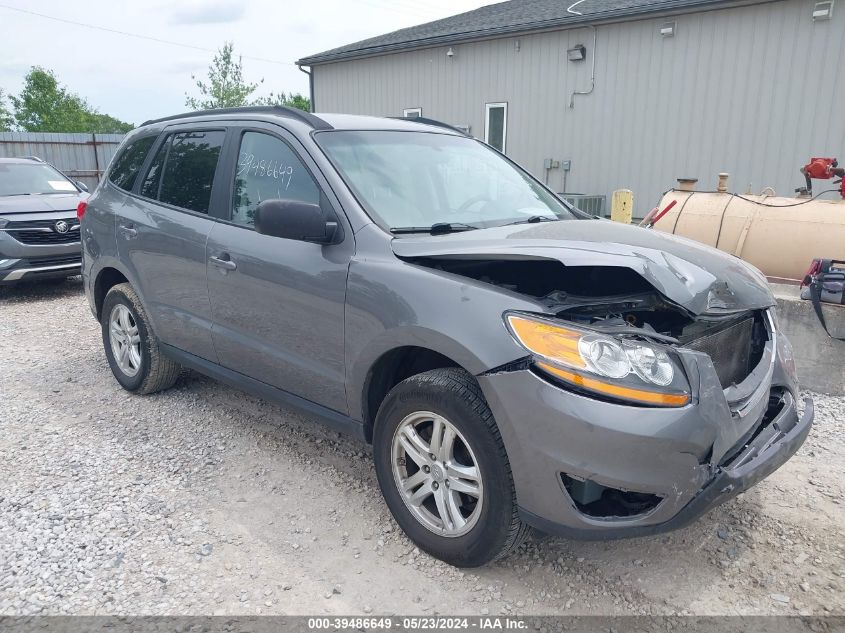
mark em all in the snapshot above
pixel 39 229
pixel 513 361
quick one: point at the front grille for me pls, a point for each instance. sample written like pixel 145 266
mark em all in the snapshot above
pixel 778 399
pixel 44 231
pixel 730 351
pixel 54 261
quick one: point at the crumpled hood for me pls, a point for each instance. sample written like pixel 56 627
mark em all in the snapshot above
pixel 700 278
pixel 40 203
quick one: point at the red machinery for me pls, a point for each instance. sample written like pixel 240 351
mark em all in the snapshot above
pixel 822 169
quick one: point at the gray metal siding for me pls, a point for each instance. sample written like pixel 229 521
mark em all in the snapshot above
pixel 752 90
pixel 82 157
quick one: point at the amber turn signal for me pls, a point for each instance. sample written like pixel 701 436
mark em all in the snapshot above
pixel 643 396
pixel 547 340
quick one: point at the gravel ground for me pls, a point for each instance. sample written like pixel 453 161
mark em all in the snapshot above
pixel 204 500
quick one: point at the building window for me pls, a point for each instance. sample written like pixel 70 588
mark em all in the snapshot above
pixel 496 125
pixel 412 113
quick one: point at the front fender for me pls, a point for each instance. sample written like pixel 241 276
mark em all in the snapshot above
pixel 393 304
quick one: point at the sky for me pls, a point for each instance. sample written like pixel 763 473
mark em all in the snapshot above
pixel 136 79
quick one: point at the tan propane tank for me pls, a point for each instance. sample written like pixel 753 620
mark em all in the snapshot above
pixel 780 236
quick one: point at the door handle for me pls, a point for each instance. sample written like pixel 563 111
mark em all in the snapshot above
pixel 224 264
pixel 128 231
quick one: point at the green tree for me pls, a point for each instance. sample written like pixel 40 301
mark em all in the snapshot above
pixel 6 118
pixel 226 87
pixel 105 124
pixel 292 100
pixel 46 106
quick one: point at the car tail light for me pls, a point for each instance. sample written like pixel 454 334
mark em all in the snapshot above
pixel 80 209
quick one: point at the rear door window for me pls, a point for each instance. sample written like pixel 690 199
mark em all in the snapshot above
pixel 268 169
pixel 182 172
pixel 150 185
pixel 128 163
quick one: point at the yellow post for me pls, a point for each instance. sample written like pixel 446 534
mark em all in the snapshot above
pixel 622 206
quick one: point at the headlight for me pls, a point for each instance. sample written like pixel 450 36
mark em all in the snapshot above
pixel 3 222
pixel 623 369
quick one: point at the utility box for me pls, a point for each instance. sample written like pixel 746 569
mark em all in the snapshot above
pixel 622 206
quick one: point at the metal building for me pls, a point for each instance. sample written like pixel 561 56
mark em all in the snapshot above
pixel 625 93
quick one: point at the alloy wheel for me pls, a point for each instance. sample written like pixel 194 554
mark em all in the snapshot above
pixel 125 340
pixel 437 474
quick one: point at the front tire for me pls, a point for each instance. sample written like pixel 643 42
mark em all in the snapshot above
pixel 443 469
pixel 131 347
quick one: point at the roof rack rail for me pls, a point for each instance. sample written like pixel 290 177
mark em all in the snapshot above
pixel 433 122
pixel 309 119
pixel 35 158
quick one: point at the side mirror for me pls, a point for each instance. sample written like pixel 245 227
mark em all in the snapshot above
pixel 295 220
pixel 81 185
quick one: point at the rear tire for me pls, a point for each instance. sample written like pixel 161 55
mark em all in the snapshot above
pixel 131 347
pixel 470 482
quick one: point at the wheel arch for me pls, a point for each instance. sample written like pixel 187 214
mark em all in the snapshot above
pixel 393 364
pixel 106 279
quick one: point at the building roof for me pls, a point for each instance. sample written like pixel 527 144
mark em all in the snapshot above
pixel 504 18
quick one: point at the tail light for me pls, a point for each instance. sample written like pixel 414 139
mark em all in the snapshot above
pixel 80 209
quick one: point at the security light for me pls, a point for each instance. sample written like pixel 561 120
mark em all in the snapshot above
pixel 576 53
pixel 668 29
pixel 823 10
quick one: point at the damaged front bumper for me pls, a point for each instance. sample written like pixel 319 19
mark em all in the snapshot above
pixel 587 468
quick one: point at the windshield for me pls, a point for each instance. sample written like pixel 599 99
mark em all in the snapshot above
pixel 17 179
pixel 414 180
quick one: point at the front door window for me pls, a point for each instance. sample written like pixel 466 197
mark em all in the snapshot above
pixel 268 169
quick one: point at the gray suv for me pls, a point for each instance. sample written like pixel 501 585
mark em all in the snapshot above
pixel 512 361
pixel 39 230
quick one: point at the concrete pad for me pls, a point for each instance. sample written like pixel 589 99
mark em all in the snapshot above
pixel 820 360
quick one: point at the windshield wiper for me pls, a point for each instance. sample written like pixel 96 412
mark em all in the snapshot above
pixel 533 220
pixel 438 228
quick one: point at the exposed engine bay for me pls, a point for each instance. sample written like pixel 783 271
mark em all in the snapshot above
pixel 618 301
